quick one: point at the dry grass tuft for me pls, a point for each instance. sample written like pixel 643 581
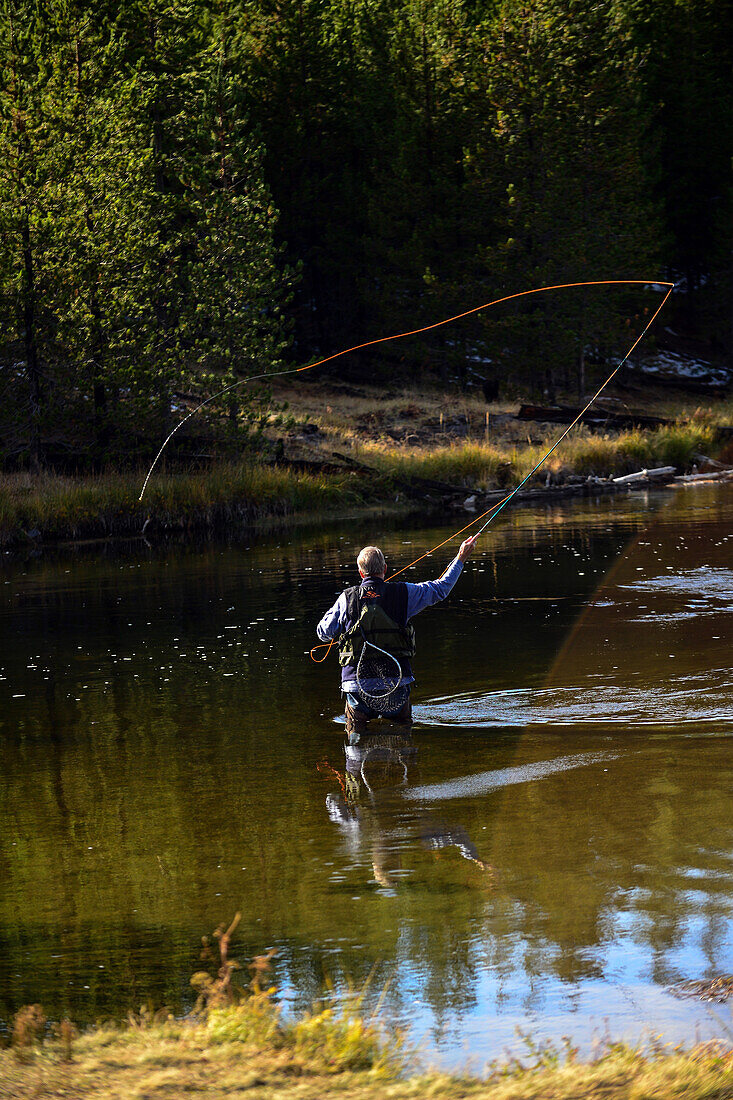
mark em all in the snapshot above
pixel 28 1028
pixel 470 463
pixel 605 455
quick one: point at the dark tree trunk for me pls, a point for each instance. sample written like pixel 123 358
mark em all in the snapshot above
pixel 101 420
pixel 102 426
pixel 582 326
pixel 31 345
pixel 581 371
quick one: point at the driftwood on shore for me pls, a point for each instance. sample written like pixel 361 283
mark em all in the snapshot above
pixel 662 477
pixel 583 487
pixel 663 473
pixel 704 478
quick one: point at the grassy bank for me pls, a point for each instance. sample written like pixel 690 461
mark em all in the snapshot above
pixel 246 1051
pixel 313 483
pixel 230 496
pixel 476 464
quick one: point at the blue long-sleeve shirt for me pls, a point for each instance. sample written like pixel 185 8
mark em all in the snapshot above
pixel 419 596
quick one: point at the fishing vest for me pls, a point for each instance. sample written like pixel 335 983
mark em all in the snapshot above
pixel 376 610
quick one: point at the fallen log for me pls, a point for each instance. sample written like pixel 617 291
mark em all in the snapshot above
pixel 590 486
pixel 598 418
pixel 413 481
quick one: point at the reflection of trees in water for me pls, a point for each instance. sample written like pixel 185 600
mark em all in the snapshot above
pixel 629 835
pixel 171 820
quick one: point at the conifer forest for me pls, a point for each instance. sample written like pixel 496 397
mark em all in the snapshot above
pixel 193 192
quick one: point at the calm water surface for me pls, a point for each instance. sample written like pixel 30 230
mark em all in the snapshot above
pixel 551 853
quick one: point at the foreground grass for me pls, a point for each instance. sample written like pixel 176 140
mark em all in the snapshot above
pixel 245 1051
pixel 236 495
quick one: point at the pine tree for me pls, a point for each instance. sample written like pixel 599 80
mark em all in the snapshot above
pixel 417 205
pixel 315 90
pixel 429 213
pixel 232 324
pixel 218 303
pixel 688 92
pixel 569 125
pixel 136 232
pixel 105 257
pixel 24 231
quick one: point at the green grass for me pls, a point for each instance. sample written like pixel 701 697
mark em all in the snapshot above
pixel 234 494
pixel 475 464
pixel 331 1040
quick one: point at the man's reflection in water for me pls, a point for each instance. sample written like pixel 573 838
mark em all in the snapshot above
pixel 369 807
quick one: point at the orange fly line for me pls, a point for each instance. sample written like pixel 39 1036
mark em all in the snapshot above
pixel 491 513
pixel 399 336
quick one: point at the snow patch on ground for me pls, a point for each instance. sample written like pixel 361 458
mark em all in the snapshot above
pixel 675 365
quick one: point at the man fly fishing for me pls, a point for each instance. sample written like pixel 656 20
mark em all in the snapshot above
pixel 376 638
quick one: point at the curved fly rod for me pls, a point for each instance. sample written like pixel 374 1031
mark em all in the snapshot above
pixel 416 332
pixel 491 513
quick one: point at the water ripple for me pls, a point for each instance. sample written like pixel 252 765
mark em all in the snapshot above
pixel 701 698
pixel 468 786
pixel 715 584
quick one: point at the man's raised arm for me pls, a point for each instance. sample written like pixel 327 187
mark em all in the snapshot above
pixel 426 593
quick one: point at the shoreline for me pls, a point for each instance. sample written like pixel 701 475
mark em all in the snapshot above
pixel 347 463
pixel 44 523
pixel 189 535
pixel 216 521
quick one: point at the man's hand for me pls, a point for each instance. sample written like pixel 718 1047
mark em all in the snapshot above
pixel 466 548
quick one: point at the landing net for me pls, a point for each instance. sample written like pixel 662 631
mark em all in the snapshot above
pixel 379 680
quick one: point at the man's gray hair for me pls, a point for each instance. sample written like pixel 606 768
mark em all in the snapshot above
pixel 371 561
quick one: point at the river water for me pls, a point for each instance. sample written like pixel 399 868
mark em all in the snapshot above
pixel 551 852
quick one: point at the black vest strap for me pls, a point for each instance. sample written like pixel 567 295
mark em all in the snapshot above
pixel 391 595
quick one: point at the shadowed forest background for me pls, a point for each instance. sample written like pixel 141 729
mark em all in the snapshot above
pixel 195 192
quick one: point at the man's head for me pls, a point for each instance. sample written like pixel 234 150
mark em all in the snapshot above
pixel 371 562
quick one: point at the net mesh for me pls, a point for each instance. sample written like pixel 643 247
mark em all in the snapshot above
pixel 379 680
